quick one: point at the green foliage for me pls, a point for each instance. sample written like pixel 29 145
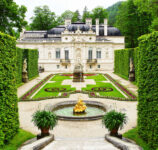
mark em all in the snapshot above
pixel 148 89
pixel 112 13
pixel 44 119
pixel 114 93
pixel 32 62
pixel 113 120
pixel 11 17
pixel 133 135
pixel 122 60
pixel 100 13
pixel 60 78
pixel 18 140
pixel 43 19
pixel 86 14
pixel 9 121
pixel 20 52
pixel 97 78
pixel 132 23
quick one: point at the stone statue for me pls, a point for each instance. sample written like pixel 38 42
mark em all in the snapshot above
pixel 131 72
pixel 24 72
pixel 25 66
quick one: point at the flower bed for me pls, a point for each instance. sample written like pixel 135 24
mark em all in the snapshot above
pixel 54 89
pixel 85 74
pixel 102 89
pixel 35 88
pixel 128 93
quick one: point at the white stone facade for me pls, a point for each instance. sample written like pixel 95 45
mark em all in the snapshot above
pixel 62 47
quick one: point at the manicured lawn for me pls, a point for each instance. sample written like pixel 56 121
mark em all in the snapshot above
pixel 114 93
pixel 60 78
pixel 133 135
pixel 43 93
pixel 18 140
pixel 98 77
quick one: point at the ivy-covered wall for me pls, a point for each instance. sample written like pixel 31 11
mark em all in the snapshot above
pixel 32 63
pixel 9 121
pixel 122 61
pixel 148 89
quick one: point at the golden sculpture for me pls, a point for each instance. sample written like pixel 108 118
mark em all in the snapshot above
pixel 80 107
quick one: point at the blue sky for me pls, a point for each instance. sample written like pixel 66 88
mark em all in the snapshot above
pixel 59 6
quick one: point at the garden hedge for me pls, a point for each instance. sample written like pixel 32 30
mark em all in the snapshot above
pixel 20 55
pixel 32 63
pixel 9 121
pixel 122 61
pixel 148 89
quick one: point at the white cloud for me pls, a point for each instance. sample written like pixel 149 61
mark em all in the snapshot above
pixel 59 6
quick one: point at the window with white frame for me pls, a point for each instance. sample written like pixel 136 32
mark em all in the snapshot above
pixel 98 53
pixel 90 52
pixel 57 53
pixel 66 54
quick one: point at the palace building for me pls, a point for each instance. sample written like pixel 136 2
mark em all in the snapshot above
pixel 64 46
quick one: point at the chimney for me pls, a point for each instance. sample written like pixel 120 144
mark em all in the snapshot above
pixel 89 21
pixel 67 22
pixel 105 27
pixel 97 27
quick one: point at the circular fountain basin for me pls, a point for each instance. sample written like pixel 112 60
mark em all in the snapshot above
pixel 64 110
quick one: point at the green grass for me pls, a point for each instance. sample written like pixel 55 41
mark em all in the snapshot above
pixel 97 78
pixel 114 93
pixel 18 140
pixel 133 135
pixel 60 78
pixel 43 93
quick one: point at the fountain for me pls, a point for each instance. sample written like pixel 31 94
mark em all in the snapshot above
pixel 78 73
pixel 80 107
pixel 80 110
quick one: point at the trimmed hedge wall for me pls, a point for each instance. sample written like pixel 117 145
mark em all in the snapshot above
pixel 32 63
pixel 20 54
pixel 122 61
pixel 9 121
pixel 148 89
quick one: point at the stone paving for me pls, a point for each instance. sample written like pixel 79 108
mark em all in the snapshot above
pixel 76 130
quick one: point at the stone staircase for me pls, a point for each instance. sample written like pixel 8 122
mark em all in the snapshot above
pixel 80 144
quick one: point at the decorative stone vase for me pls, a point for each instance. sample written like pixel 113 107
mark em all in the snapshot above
pixel 131 76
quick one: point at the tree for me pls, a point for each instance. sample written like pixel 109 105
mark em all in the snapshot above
pixel 86 14
pixel 43 19
pixel 100 13
pixel 131 23
pixel 12 17
pixel 112 13
pixel 76 16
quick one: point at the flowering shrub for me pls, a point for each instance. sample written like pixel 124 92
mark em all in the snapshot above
pixel 121 87
pixel 102 89
pixel 37 86
pixel 92 94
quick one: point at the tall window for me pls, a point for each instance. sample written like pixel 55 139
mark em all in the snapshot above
pixel 90 53
pixel 57 53
pixel 98 54
pixel 66 54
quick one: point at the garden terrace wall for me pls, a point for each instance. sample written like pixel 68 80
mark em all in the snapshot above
pixel 122 61
pixel 9 122
pixel 148 89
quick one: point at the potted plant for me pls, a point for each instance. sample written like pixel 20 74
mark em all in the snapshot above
pixel 114 120
pixel 44 120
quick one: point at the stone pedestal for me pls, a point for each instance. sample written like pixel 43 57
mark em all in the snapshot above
pixel 78 73
pixel 131 76
pixel 24 77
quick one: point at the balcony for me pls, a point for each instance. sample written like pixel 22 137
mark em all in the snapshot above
pixel 65 61
pixel 91 61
